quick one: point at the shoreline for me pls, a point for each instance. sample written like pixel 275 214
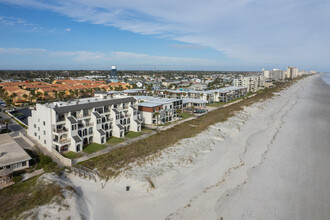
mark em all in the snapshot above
pixel 202 176
pixel 116 160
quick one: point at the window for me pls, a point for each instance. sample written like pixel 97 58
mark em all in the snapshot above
pixel 35 126
pixel 44 141
pixel 73 127
pixel 38 128
pixel 39 137
pixel 35 134
pixel 44 132
pixel 44 123
pixel 24 163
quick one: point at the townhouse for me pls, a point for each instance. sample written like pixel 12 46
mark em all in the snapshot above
pixel 72 125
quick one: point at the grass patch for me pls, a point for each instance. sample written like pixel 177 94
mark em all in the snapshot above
pixel 214 104
pixel 133 134
pixel 146 130
pixel 91 148
pixel 185 115
pixel 72 155
pixel 165 124
pixel 112 163
pixel 115 140
pixel 24 196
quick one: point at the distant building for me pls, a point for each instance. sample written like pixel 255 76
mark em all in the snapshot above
pixel 114 74
pixel 292 72
pixel 252 83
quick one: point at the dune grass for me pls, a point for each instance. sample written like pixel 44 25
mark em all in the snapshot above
pixel 24 196
pixel 111 163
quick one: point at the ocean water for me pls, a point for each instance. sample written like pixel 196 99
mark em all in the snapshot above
pixel 326 78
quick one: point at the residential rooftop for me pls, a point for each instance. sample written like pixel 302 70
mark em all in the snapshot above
pixel 11 152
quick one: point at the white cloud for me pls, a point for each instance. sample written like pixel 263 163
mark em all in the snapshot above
pixel 275 31
pixel 67 29
pixel 118 57
pixel 22 51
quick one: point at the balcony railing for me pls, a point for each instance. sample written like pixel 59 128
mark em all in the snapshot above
pixel 62 141
pixel 62 130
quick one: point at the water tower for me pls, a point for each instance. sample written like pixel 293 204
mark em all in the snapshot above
pixel 114 74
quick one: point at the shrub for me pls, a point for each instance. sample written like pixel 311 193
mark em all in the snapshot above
pixel 17 179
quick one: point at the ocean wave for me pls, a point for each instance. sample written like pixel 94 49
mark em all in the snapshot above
pixel 326 78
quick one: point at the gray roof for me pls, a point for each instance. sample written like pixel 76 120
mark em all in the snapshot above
pixel 133 108
pixel 76 138
pixel 116 111
pixel 77 107
pixel 120 126
pixel 6 172
pixel 11 152
pixel 198 101
pixel 97 115
pixel 72 120
pixel 101 131
pixel 137 121
pixel 150 104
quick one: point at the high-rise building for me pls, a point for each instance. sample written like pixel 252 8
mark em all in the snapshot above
pixel 277 74
pixel 292 72
pixel 267 73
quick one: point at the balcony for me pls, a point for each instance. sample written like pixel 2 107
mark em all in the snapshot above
pixel 90 124
pixel 62 141
pixel 59 131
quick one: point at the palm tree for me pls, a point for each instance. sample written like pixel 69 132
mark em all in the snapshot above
pixel 215 94
pixel 8 102
pixel 46 96
pixel 178 111
pixel 13 95
pixel 25 96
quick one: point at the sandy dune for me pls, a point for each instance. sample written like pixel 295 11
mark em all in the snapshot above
pixel 270 161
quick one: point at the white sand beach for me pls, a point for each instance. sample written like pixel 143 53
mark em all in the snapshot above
pixel 269 161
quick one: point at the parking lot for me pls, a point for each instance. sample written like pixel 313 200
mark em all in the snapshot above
pixel 22 114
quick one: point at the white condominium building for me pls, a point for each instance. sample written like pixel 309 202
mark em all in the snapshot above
pixel 292 72
pixel 74 124
pixel 252 83
pixel 156 110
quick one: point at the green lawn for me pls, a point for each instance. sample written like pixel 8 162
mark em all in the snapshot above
pixel 133 134
pixel 185 115
pixel 115 140
pixel 165 124
pixel 72 155
pixel 93 147
pixel 214 104
pixel 146 130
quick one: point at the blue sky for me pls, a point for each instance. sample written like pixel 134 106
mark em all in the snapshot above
pixel 157 34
